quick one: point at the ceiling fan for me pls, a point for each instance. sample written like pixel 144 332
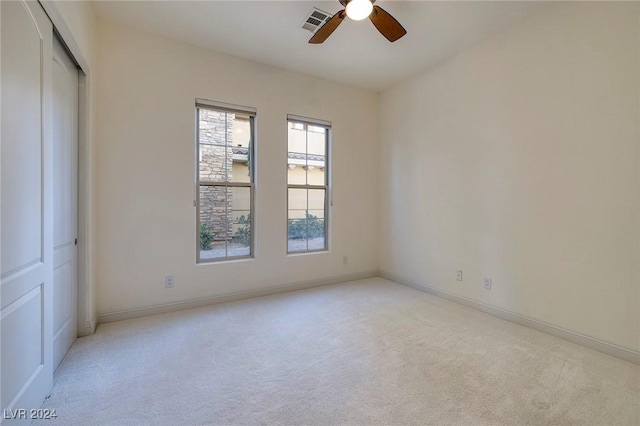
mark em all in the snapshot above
pixel 358 10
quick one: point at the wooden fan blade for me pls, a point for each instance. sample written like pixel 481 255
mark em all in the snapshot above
pixel 386 24
pixel 330 26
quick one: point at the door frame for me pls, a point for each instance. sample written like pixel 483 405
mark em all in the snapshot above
pixel 87 315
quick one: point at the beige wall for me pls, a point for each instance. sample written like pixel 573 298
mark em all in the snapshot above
pixel 145 175
pixel 518 160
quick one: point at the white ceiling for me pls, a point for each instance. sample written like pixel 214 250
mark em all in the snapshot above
pixel 355 54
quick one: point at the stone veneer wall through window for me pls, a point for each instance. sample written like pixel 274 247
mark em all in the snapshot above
pixel 216 160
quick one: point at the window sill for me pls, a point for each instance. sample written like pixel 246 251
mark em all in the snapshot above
pixel 225 260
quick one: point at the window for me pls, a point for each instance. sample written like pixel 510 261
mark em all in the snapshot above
pixel 225 181
pixel 308 184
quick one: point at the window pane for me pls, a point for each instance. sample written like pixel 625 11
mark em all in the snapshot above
pixel 214 222
pixel 297 203
pixel 215 154
pixel 239 199
pixel 240 130
pixel 214 160
pixel 316 234
pixel 297 141
pixel 316 148
pixel 307 165
pixel 225 151
pixel 224 146
pixel 240 151
pixel 297 154
pixel 213 127
pixel 316 219
pixel 316 143
pixel 297 223
pixel 316 199
pixel 315 175
pixel 239 170
pixel 225 221
pixel 296 173
pixel 297 234
pixel 296 126
pixel 317 129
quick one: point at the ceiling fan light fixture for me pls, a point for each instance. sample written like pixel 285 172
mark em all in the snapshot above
pixel 359 9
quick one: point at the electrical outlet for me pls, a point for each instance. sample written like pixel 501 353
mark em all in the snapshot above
pixel 169 281
pixel 486 283
pixel 458 275
pixel 345 260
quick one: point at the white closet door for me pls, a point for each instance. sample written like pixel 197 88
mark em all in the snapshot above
pixel 26 271
pixel 65 201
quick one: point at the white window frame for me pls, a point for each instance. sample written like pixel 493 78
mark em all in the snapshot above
pixel 229 108
pixel 328 199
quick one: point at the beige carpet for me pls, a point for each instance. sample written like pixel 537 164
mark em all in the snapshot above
pixel 365 352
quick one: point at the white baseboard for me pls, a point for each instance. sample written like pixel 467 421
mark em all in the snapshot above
pixel 88 329
pixel 229 297
pixel 572 336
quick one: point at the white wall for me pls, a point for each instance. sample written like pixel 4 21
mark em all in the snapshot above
pixel 518 160
pixel 145 221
